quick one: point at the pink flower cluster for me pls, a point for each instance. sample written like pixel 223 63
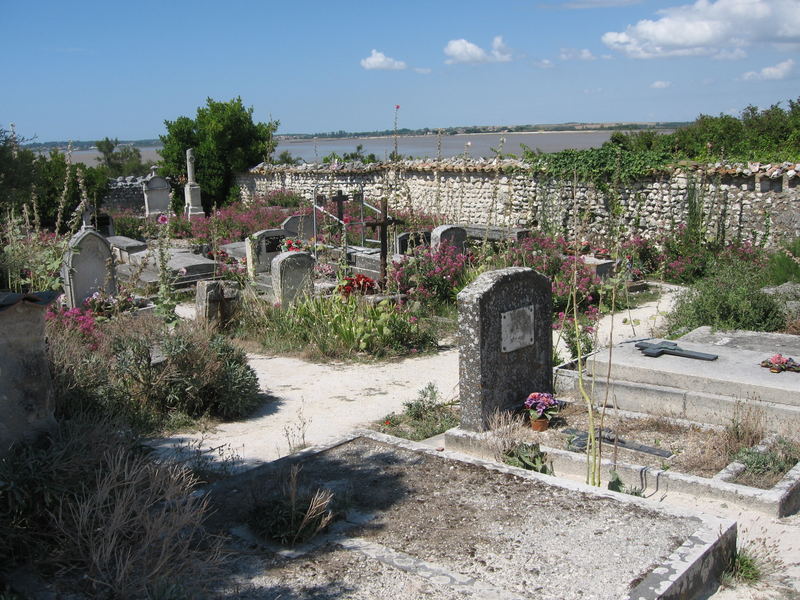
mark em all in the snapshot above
pixel 82 321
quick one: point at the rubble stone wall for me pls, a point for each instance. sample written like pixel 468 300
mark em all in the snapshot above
pixel 748 202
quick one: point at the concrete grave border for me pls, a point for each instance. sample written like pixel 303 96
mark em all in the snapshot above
pixel 781 500
pixel 684 574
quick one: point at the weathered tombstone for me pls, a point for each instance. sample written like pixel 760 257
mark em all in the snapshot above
pixel 88 267
pixel 411 239
pixel 505 343
pixel 193 206
pixel 216 302
pixel 261 248
pixel 298 226
pixel 156 194
pixel 450 235
pixel 292 276
pixel 26 389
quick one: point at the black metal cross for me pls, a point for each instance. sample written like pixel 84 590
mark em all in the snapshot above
pixel 340 199
pixel 656 350
pixel 383 226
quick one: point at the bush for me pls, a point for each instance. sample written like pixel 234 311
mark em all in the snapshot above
pixel 337 327
pixel 138 368
pixel 784 265
pixel 730 299
pixel 422 418
pixel 428 274
pixel 85 501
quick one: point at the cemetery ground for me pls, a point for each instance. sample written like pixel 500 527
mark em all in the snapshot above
pixel 161 373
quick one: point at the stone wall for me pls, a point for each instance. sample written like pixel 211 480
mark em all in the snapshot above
pixel 125 193
pixel 749 202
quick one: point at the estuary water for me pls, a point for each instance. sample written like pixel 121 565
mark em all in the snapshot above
pixel 474 145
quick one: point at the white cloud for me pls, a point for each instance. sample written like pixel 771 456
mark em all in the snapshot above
pixel 545 63
pixel 779 71
pixel 463 51
pixel 422 70
pixel 719 28
pixel 378 60
pixel 575 54
pixel 660 85
pixel 500 52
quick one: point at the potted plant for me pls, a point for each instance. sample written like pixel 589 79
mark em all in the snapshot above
pixel 541 406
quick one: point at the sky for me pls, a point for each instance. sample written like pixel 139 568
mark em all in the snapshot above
pixel 86 70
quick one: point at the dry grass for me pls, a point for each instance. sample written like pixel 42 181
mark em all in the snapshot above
pixel 138 529
pixel 506 431
pixel 87 504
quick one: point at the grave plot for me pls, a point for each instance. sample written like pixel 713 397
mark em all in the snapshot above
pixel 694 410
pixel 414 521
pixel 703 390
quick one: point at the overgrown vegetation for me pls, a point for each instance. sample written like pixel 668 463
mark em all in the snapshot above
pixel 87 503
pixel 421 418
pixel 336 326
pixel 730 298
pixel 140 370
pixel 767 135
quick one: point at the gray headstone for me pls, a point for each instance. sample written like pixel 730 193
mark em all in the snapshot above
pixel 216 301
pixel 292 276
pixel 505 343
pixel 300 226
pixel 411 239
pixel 26 389
pixel 261 247
pixel 88 267
pixel 156 195
pixel 450 235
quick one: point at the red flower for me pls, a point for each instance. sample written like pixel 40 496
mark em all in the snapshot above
pixel 397 107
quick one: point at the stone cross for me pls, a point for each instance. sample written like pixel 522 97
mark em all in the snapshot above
pixel 86 217
pixel 656 350
pixel 190 165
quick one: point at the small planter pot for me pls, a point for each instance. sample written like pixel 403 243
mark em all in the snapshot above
pixel 540 424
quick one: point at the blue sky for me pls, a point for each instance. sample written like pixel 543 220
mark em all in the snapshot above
pixel 85 70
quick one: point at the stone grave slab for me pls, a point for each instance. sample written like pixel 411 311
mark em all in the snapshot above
pixel 460 527
pixel 292 277
pixel 234 249
pixel 495 234
pixel 705 391
pixel 260 248
pixel 602 267
pixel 300 226
pixel 184 266
pixel 122 247
pixel 88 267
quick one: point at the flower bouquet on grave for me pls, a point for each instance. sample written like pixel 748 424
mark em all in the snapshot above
pixel 292 245
pixel 541 406
pixel 779 363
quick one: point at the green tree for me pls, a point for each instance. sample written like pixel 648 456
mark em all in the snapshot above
pixel 127 160
pixel 17 172
pixel 226 142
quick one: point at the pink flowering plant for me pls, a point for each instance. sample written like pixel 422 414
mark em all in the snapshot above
pixel 580 339
pixel 104 305
pixel 542 405
pixel 427 274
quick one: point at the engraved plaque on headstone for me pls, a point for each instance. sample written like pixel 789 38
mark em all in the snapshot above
pixel 516 329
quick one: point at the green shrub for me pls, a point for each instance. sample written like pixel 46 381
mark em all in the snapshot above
pixel 784 265
pixel 142 370
pixel 422 417
pixel 729 299
pixel 337 327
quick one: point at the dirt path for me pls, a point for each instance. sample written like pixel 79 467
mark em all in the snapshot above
pixel 311 402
